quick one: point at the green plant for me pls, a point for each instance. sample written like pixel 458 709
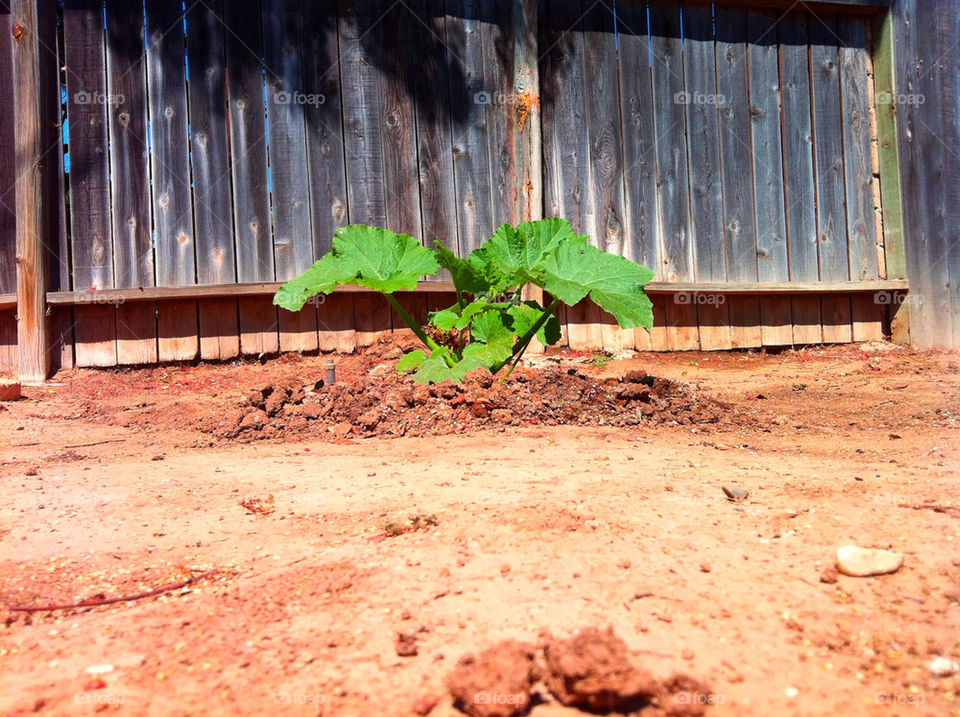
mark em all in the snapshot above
pixel 490 326
pixel 600 359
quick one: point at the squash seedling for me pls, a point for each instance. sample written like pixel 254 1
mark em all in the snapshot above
pixel 489 326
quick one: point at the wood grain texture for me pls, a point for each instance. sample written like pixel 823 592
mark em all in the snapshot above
pixel 772 259
pixel 219 329
pixel 335 319
pixel 858 173
pixel 8 222
pixel 371 314
pixel 61 339
pixel 90 222
pixel 776 321
pixel 681 324
pixel 516 174
pixel 836 319
pixel 676 250
pixel 8 341
pixel 798 149
pixel 298 329
pixel 170 149
pixel 287 104
pixel 259 326
pixel 136 334
pixel 129 147
pixel 868 317
pixel 639 135
pixel 584 331
pixel 95 335
pixel 324 130
pixel 248 141
pixel 807 327
pixel 740 231
pixel 713 318
pixel 210 146
pixel 703 138
pixel 745 331
pixel 178 330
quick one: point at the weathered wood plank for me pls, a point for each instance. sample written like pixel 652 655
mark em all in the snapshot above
pixel 91 233
pixel 835 315
pixel 566 150
pixel 325 159
pixel 61 339
pixel 807 324
pixel 639 136
pixel 248 148
pixel 603 219
pixel 287 103
pixel 362 110
pixel 259 326
pixel 676 233
pixel 703 143
pixel 861 229
pixel 772 260
pixel 129 147
pixel 798 149
pixel 713 318
pixel 170 149
pixel 136 333
pixel 95 334
pixel 828 151
pixel 468 102
pixel 8 341
pixel 745 331
pixel 372 316
pixel 178 330
pixel 219 329
pixel 505 138
pixel 740 231
pixel 298 330
pixel 210 146
pixel 776 321
pixel 415 304
pixel 337 328
pixel 8 221
pixel 867 317
pixel 683 333
pixel 584 331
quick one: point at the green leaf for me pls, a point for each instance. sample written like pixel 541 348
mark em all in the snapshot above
pixel 525 315
pixel 516 252
pixel 322 277
pixel 477 355
pixel 366 256
pixel 613 282
pixel 490 327
pixel 434 368
pixel 467 277
pixel 454 318
pixel 410 361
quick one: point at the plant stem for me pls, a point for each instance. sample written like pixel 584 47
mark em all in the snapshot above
pixel 525 340
pixel 420 333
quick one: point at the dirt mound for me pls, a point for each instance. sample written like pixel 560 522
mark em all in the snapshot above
pixel 384 403
pixel 590 671
pixel 495 683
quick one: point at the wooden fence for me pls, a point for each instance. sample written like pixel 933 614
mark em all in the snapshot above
pixel 211 150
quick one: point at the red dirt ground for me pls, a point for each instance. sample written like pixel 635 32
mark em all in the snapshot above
pixel 115 483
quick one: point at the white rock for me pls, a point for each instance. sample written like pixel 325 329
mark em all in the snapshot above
pixel 942 667
pixel 863 562
pixel 99 669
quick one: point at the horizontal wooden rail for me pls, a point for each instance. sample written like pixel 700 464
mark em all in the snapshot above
pixel 75 298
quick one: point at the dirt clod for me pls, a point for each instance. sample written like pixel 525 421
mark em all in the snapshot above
pixel 592 670
pixel 406 644
pixel 495 683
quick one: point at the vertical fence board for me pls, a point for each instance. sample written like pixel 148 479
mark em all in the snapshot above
pixel 828 152
pixel 670 116
pixel 130 190
pixel 703 137
pixel 298 329
pixel 286 106
pixel 740 232
pixel 807 324
pixel 744 321
pixel 798 149
pixel 61 338
pixel 867 317
pixel 471 167
pixel 639 139
pixel 95 334
pixel 170 149
pixel 8 341
pixel 713 318
pixel 8 220
pixel 136 333
pixel 767 155
pixel 372 316
pixel 398 121
pixel 91 233
pixel 861 229
pixel 219 329
pixel 502 118
pixel 566 151
pixel 337 328
pixel 178 331
pixel 324 130
pixel 210 149
pixel 835 316
pixel 360 78
pixel 415 304
pixel 259 330
pixel 248 141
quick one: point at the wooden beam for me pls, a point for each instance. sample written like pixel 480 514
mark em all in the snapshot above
pixel 34 358
pixel 844 7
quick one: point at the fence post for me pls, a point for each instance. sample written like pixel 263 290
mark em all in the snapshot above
pixel 34 358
